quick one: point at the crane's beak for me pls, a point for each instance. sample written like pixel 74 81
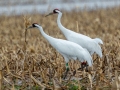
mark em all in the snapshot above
pixel 49 14
pixel 29 27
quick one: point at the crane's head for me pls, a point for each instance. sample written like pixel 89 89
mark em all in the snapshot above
pixel 55 11
pixel 34 25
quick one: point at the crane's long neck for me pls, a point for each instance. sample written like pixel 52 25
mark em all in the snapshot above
pixel 64 30
pixel 47 37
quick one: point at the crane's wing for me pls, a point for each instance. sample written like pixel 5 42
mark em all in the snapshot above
pixel 68 48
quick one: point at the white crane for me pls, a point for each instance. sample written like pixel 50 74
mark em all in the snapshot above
pixel 69 50
pixel 92 45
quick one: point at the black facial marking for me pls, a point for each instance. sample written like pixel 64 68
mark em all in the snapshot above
pixel 54 11
pixel 34 24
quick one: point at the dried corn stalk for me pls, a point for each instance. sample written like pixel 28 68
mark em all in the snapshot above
pixel 90 78
pixel 13 88
pixel 116 80
pixel 0 79
pixel 27 22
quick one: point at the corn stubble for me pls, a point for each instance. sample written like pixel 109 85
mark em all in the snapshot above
pixel 39 66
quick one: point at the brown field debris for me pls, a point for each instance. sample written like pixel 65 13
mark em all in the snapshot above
pixel 37 65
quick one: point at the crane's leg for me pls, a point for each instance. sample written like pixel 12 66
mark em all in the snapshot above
pixel 66 72
pixel 84 65
pixel 67 67
pixel 66 58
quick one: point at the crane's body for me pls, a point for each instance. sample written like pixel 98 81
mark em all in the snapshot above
pixel 69 50
pixel 92 45
pixel 86 42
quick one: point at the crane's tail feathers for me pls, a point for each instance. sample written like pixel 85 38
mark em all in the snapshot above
pixel 89 58
pixel 99 51
pixel 98 40
pixel 90 62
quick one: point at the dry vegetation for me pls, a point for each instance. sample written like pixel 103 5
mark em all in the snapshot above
pixel 35 65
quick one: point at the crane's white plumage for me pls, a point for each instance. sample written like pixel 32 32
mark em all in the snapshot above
pixel 92 45
pixel 69 50
pixel 98 40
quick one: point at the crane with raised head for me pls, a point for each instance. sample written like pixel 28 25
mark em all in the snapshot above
pixel 92 45
pixel 69 50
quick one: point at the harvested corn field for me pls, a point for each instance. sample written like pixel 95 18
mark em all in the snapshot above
pixel 30 63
